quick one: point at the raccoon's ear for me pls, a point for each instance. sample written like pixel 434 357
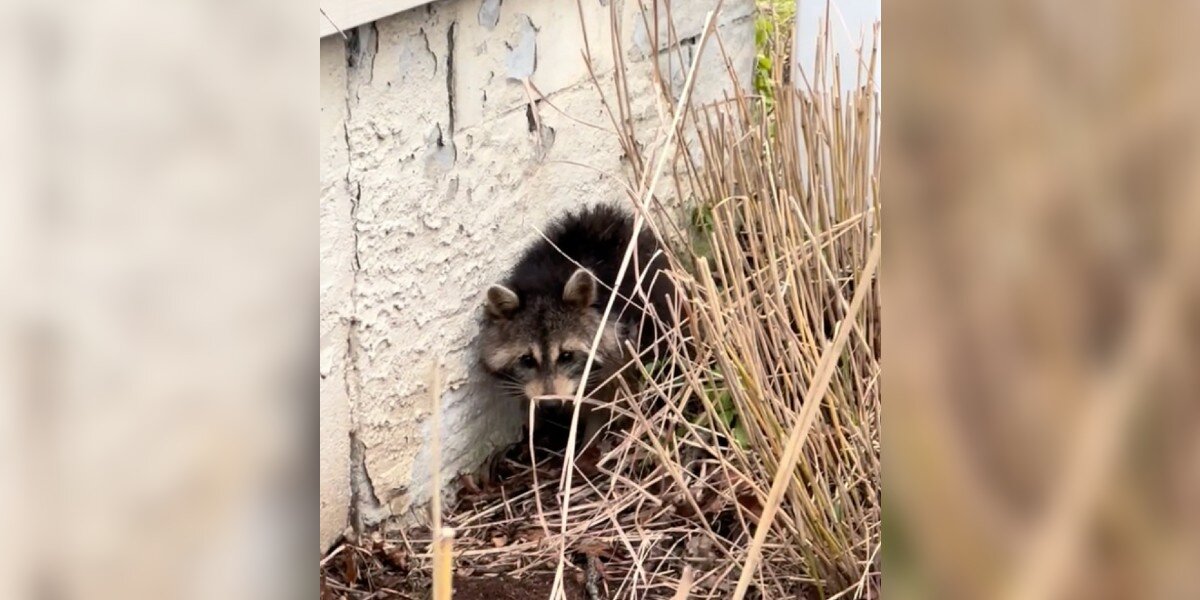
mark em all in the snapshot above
pixel 501 302
pixel 580 290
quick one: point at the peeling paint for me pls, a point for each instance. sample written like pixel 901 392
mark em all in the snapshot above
pixel 362 44
pixel 409 57
pixel 440 152
pixel 545 141
pixel 365 508
pixel 521 61
pixel 489 14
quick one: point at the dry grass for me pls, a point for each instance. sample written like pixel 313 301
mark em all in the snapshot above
pixel 754 459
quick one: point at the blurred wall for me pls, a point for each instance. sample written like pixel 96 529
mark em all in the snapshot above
pixel 851 24
pixel 438 163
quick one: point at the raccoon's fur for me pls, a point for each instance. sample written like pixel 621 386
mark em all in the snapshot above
pixel 540 321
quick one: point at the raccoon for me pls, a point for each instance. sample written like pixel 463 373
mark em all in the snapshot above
pixel 539 322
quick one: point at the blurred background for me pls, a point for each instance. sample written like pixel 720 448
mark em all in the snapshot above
pixel 158 241
pixel 1041 431
pixel 158 165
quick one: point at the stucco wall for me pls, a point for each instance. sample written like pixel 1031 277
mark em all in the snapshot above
pixel 434 176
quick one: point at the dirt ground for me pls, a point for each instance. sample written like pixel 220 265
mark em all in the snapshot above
pixel 532 587
pixel 504 588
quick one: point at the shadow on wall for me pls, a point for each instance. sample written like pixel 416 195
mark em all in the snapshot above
pixel 477 421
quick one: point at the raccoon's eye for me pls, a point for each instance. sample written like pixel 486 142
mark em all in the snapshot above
pixel 566 357
pixel 527 361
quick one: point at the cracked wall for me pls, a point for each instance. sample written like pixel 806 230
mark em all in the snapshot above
pixel 437 165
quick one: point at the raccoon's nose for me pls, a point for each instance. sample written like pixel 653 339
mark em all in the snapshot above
pixel 563 386
pixel 534 388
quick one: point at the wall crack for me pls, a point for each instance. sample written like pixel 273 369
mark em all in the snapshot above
pixel 450 75
pixel 365 509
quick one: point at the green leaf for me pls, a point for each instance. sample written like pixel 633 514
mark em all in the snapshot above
pixel 702 218
pixel 741 437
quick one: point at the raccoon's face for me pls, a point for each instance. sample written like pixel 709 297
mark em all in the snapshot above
pixel 537 346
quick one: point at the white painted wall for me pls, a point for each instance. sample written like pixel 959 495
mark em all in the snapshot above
pixel 344 15
pixel 851 24
pixel 431 182
pixel 337 286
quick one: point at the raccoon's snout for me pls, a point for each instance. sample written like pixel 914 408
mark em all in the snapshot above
pixel 551 386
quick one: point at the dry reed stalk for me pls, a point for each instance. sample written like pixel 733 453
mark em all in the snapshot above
pixel 435 451
pixel 805 180
pixel 649 182
pixel 443 537
pixel 685 585
pixel 791 452
pixel 443 564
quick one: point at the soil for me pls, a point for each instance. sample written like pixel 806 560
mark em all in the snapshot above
pixel 532 587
